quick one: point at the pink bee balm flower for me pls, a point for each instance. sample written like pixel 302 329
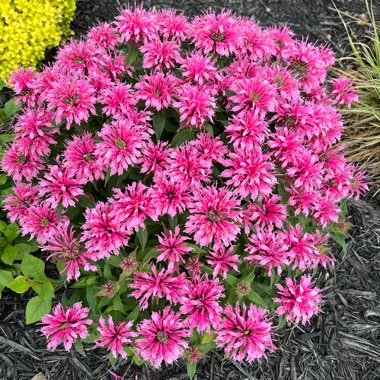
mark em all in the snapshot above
pixel 65 326
pixel 171 25
pixel 216 33
pixel 250 173
pixel 169 196
pixel 104 36
pixel 163 337
pixel 72 99
pixel 17 205
pixel 154 157
pixel 160 55
pixel 133 206
pixel 200 303
pixel 267 248
pixel 80 157
pixel 115 336
pixel 156 90
pixel 61 186
pixel 172 247
pixel 214 216
pixel 121 145
pixel 199 69
pixel 222 261
pixel 102 232
pixel 195 104
pixel 162 284
pixel 67 249
pixel 23 81
pixel 118 99
pixel 245 334
pixel 343 92
pixel 40 222
pixel 253 93
pixel 299 301
pixel 271 212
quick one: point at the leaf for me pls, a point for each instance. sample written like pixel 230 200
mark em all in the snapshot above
pixel 22 250
pixel 152 254
pixel 36 308
pixel 117 304
pixel 32 266
pixel 182 136
pixel 142 235
pixel 10 108
pixel 133 315
pixel 253 296
pixel 20 284
pixel 91 296
pixel 86 201
pixel 12 232
pixel 231 280
pixel 132 54
pixel 3 179
pixel 3 226
pixel 78 345
pixel 340 239
pixel 207 338
pixel 44 290
pixel 191 370
pixel 159 119
pixel 2 84
pixel 9 254
pixel 5 277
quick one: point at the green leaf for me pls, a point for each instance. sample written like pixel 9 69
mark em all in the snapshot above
pixel 44 290
pixel 36 308
pixel 253 296
pixel 142 235
pixel 22 250
pixel 20 284
pixel 91 296
pixel 86 201
pixel 5 277
pixel 78 345
pixel 132 54
pixel 231 280
pixel 340 239
pixel 159 119
pixel 117 304
pixel 2 84
pixel 132 316
pixel 10 108
pixel 12 232
pixel 3 179
pixel 32 266
pixel 191 370
pixel 9 254
pixel 152 254
pixel 3 226
pixel 182 137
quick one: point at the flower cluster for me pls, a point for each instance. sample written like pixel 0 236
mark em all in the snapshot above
pixel 28 28
pixel 174 168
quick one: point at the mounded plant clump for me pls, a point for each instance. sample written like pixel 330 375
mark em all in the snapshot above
pixel 183 175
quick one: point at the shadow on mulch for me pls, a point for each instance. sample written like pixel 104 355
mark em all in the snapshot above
pixel 343 343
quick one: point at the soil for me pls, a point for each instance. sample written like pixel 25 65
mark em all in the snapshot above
pixel 342 343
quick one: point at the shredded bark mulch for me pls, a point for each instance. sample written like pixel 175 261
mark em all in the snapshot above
pixel 343 343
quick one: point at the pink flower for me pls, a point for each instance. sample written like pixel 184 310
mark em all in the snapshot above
pixel 271 212
pixel 118 99
pixel 200 303
pixel 102 232
pixel 65 326
pixel 326 211
pixel 222 261
pixel 154 157
pixel 267 248
pixel 19 164
pixel 195 105
pixel 132 207
pixel 23 81
pixel 171 25
pixel 247 130
pixel 214 217
pixel 17 205
pixel 343 92
pixel 299 301
pixel 163 337
pixel 250 173
pixel 115 336
pixel 35 132
pixel 187 165
pixel 121 145
pixel 245 335
pixel 61 186
pixel 104 36
pixel 39 222
pixel 80 157
pixel 66 248
pixel 156 90
pixel 72 99
pixel 135 25
pixel 199 69
pixel 162 284
pixel 210 148
pixel 169 196
pixel 160 55
pixel 172 247
pixel 253 93
pixel 216 33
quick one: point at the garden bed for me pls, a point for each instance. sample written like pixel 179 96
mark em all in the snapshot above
pixel 341 343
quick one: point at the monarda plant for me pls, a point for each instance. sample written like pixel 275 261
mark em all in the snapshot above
pixel 184 176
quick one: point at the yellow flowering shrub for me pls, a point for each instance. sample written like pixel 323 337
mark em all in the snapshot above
pixel 28 28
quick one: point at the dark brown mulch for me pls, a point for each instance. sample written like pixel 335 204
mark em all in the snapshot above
pixel 343 343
